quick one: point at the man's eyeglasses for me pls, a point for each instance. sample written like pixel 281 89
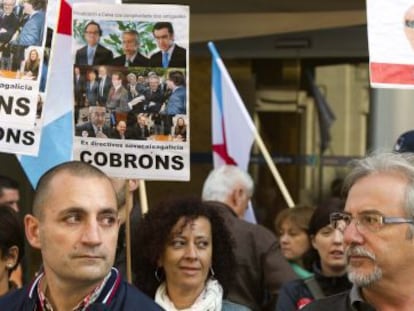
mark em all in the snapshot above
pixel 409 24
pixel 367 221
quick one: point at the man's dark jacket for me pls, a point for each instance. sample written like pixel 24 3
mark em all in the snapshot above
pixel 117 295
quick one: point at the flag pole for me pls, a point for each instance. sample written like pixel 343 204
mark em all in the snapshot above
pixel 274 170
pixel 143 199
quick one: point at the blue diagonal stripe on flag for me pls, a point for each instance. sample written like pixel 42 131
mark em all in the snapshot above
pixel 57 131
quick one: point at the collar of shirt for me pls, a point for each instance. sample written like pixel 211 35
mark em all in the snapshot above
pixel 170 50
pixel 82 306
pixel 131 58
pixel 34 12
pixel 92 48
pixel 357 301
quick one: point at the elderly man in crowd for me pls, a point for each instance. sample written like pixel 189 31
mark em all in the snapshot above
pixel 378 234
pixel 261 268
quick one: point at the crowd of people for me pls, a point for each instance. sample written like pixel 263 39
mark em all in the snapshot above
pixel 197 253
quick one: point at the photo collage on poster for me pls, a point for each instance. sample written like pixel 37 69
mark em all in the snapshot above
pixel 130 78
pixel 24 54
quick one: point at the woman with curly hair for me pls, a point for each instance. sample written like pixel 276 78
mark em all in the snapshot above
pixel 184 256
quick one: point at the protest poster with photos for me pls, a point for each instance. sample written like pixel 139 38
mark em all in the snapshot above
pixel 130 77
pixel 23 53
pixel 391 43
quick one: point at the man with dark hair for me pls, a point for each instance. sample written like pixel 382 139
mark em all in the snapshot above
pixel 170 54
pixel 9 192
pixel 104 85
pixel 93 53
pixel 75 224
pixel 130 46
pixel 117 103
pixel 177 101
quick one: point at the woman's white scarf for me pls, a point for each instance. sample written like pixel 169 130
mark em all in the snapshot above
pixel 210 298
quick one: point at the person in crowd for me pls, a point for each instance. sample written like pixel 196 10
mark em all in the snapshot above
pixel 292 229
pixel 8 25
pixel 31 65
pixel 180 129
pixel 130 46
pixel 125 190
pixel 409 25
pixel 79 83
pixel 328 264
pixel 91 90
pixel 96 127
pixel 161 124
pixel 32 31
pixel 140 130
pixel 39 106
pixel 261 268
pixel 9 192
pixel 11 246
pixel 105 83
pixel 152 98
pixel 120 131
pixel 134 88
pixel 10 196
pixel 176 103
pixel 377 224
pixel 154 95
pixel 184 256
pixel 74 223
pixel 169 54
pixel 93 53
pixel 405 142
pixel 18 9
pixel 118 95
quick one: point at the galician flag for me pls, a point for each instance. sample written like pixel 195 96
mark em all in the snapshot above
pixel 57 131
pixel 233 131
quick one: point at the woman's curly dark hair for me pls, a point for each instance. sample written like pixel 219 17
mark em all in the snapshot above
pixel 152 233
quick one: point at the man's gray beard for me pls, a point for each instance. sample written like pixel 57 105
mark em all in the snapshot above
pixel 363 279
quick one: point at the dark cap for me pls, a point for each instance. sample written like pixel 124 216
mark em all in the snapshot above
pixel 321 216
pixel 405 143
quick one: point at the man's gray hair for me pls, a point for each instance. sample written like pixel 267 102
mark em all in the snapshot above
pixel 386 162
pixel 221 182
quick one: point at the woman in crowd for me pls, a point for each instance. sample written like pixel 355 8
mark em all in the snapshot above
pixel 291 227
pixel 11 246
pixel 31 65
pixel 329 263
pixel 184 256
pixel 180 130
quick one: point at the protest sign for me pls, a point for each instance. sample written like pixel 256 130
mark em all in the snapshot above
pixel 130 89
